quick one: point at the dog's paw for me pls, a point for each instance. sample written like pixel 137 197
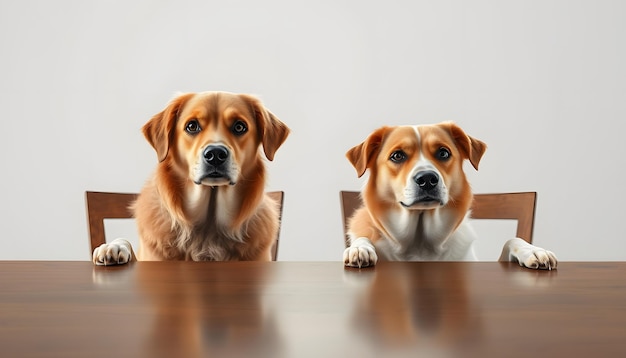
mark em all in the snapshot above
pixel 530 256
pixel 538 258
pixel 360 254
pixel 117 252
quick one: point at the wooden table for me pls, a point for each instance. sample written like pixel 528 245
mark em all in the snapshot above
pixel 311 309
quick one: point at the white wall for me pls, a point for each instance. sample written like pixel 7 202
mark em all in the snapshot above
pixel 542 82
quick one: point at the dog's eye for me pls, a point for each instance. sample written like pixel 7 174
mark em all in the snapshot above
pixel 193 127
pixel 239 127
pixel 443 154
pixel 398 156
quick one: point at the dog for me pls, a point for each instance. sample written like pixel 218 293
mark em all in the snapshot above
pixel 206 201
pixel 417 199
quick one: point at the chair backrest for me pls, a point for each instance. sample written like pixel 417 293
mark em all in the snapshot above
pixel 108 205
pixel 103 205
pixel 278 196
pixel 512 206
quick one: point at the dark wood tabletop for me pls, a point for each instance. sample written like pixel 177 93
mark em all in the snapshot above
pixel 311 309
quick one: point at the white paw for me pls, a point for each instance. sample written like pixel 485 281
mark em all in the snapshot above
pixel 117 252
pixel 360 254
pixel 528 255
pixel 538 258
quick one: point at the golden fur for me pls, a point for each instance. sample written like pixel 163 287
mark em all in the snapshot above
pixel 417 199
pixel 205 200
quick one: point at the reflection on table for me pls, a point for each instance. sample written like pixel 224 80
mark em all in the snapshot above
pixel 316 309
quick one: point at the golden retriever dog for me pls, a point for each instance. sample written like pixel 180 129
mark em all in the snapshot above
pixel 206 199
pixel 417 199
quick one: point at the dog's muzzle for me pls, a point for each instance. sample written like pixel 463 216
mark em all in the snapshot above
pixel 215 166
pixel 426 191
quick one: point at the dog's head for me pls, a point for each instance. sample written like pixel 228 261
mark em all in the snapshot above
pixel 213 138
pixel 417 167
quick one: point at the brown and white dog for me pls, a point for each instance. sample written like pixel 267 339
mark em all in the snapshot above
pixel 417 199
pixel 206 199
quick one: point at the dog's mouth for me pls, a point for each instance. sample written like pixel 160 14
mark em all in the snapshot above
pixel 424 202
pixel 215 178
pixel 215 174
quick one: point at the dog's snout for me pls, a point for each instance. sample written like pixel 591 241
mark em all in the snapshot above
pixel 215 155
pixel 426 180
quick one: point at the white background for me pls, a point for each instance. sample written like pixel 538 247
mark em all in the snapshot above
pixel 543 83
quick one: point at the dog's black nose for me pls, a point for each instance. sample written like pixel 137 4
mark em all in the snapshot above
pixel 215 154
pixel 426 180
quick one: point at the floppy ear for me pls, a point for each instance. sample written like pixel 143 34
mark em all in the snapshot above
pixel 472 148
pixel 362 155
pixel 159 130
pixel 272 131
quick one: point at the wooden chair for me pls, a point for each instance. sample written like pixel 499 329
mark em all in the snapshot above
pixel 512 206
pixel 107 205
pixel 103 205
pixel 279 197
